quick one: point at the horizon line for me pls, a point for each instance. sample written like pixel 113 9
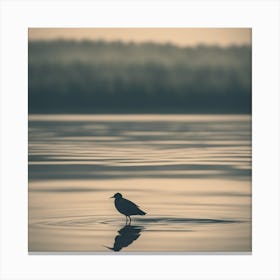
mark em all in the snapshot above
pixel 132 42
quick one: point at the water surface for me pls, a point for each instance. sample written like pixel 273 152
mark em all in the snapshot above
pixel 190 173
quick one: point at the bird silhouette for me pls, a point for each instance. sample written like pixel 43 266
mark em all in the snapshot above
pixel 126 207
pixel 125 237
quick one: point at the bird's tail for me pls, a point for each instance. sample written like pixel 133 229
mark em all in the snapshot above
pixel 142 213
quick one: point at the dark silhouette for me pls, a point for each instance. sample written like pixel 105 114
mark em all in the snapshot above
pixel 101 77
pixel 126 207
pixel 125 237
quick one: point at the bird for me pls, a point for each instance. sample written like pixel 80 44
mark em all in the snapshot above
pixel 126 207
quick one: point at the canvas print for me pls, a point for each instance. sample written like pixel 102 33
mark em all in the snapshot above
pixel 139 140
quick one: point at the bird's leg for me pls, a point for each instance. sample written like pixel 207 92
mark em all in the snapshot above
pixel 125 220
pixel 129 220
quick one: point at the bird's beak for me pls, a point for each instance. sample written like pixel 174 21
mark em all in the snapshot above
pixel 112 249
pixel 111 197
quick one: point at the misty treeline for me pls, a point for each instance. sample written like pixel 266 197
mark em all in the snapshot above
pixel 98 76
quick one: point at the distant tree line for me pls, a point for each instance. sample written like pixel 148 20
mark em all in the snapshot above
pixel 103 77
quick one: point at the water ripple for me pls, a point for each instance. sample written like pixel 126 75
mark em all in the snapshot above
pixel 89 222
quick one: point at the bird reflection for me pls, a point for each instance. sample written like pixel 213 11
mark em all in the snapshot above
pixel 126 236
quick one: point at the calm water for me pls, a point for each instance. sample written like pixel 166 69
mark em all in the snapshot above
pixel 190 173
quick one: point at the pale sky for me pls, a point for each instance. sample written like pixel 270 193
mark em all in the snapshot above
pixel 176 36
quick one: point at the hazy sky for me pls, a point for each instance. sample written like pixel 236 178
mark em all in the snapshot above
pixel 177 36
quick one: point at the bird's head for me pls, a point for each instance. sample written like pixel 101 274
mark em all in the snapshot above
pixel 117 196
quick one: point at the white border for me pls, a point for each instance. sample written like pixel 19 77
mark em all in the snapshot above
pixel 17 16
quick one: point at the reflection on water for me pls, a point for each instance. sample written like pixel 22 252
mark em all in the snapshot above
pixel 126 236
pixel 192 173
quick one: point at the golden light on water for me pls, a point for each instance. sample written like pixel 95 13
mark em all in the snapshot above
pixel 191 174
pixel 80 216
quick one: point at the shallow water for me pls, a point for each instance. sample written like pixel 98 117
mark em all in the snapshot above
pixel 190 173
